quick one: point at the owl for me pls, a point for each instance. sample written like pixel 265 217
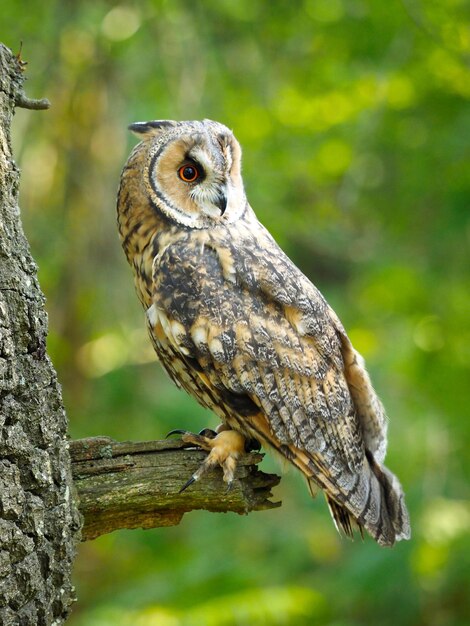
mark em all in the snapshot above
pixel 238 326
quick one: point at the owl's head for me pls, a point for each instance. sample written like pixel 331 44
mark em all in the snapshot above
pixel 192 173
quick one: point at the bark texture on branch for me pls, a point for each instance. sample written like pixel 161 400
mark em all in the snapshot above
pixel 38 518
pixel 137 484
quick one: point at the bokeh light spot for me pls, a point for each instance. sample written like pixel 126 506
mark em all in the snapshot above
pixel 400 92
pixel 334 156
pixel 428 334
pixel 364 340
pixel 121 23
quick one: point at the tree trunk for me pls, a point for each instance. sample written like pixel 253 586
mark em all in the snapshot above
pixel 39 520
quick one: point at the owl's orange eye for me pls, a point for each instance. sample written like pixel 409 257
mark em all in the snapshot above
pixel 189 173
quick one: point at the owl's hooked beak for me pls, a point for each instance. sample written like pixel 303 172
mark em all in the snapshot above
pixel 221 201
pixel 214 204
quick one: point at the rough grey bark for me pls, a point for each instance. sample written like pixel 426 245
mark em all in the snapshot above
pixel 39 521
pixel 137 484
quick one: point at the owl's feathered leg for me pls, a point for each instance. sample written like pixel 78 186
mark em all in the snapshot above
pixel 224 449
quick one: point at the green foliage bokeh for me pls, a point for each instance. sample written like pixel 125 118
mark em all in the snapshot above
pixel 354 119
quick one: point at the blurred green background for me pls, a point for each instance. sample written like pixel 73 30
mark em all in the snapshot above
pixel 354 118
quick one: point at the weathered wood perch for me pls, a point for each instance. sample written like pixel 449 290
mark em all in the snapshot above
pixel 136 484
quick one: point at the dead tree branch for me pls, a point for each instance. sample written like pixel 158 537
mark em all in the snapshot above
pixel 136 484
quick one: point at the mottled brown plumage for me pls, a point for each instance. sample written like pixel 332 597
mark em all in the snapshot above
pixel 237 325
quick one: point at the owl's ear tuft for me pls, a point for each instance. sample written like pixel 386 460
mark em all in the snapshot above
pixel 153 128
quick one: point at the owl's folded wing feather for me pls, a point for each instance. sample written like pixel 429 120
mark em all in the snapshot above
pixel 253 332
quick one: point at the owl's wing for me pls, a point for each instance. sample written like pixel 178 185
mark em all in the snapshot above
pixel 260 345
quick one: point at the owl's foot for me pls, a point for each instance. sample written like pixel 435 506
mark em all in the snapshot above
pixel 224 449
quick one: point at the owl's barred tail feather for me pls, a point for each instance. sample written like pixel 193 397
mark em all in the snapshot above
pixel 392 503
pixel 383 514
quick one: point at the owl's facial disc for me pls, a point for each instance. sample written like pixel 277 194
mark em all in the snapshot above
pixel 194 177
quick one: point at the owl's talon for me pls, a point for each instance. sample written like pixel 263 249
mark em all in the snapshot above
pixel 224 449
pixel 187 484
pixel 177 431
pixel 208 432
